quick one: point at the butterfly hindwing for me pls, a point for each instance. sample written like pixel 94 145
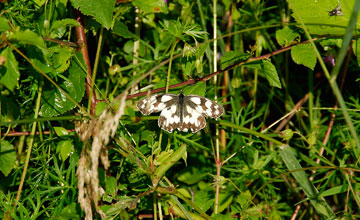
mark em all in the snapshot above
pixel 204 106
pixel 169 118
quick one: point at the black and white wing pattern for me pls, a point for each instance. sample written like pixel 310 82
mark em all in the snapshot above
pixel 180 112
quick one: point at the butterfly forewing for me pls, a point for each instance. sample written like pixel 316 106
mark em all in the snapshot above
pixel 156 103
pixel 181 112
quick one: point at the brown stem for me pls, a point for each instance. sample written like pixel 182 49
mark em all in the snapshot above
pixel 80 33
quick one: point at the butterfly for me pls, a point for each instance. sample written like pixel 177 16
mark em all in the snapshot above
pixel 182 112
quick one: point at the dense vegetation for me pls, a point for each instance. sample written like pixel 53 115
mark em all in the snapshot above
pixel 74 145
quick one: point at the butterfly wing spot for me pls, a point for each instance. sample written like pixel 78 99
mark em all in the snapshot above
pixel 196 100
pixel 193 120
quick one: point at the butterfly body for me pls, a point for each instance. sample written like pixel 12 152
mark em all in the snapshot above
pixel 182 112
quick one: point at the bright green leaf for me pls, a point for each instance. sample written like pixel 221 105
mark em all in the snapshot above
pixel 225 200
pixel 4 24
pixel 286 36
pixel 198 89
pixel 204 199
pixel 102 11
pixel 271 74
pixel 9 72
pixel 312 11
pixel 304 54
pixel 151 6
pixel 60 57
pixel 110 186
pixel 64 147
pixel 7 157
pixel 28 37
pixel 60 131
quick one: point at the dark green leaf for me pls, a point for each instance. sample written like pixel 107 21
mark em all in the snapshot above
pixel 58 28
pixel 122 30
pixel 54 102
pixel 9 72
pixel 233 57
pixel 102 11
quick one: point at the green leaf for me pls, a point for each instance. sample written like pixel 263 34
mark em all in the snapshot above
pixel 288 156
pixel 198 89
pixel 28 37
pixel 233 57
pixel 60 131
pixel 60 57
pixel 271 74
pixel 10 111
pixel 58 28
pixel 9 72
pixel 110 186
pixel 64 147
pixel 69 212
pixel 160 171
pixel 204 199
pixel 122 30
pixel 4 24
pixel 317 12
pixel 304 54
pixel 102 11
pixel 191 175
pixel 7 157
pixel 54 102
pixel 286 36
pixel 151 6
pixel 225 200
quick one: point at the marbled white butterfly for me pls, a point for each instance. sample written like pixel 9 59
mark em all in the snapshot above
pixel 182 112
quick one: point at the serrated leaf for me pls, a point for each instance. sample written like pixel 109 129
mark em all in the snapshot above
pixel 60 57
pixel 102 11
pixel 198 89
pixel 7 157
pixel 9 72
pixel 28 37
pixel 304 54
pixel 271 74
pixel 4 24
pixel 122 30
pixel 204 199
pixel 151 6
pixel 54 102
pixel 312 12
pixel 58 28
pixel 286 36
pixel 233 57
pixel 60 131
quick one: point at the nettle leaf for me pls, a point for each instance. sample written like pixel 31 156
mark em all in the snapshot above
pixel 198 88
pixel 9 72
pixel 28 37
pixel 286 36
pixel 4 24
pixel 60 57
pixel 102 11
pixel 151 6
pixel 54 101
pixel 122 30
pixel 304 54
pixel 58 28
pixel 233 57
pixel 271 74
pixel 312 11
pixel 7 157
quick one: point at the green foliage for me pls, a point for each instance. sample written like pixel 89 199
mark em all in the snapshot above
pixel 285 143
